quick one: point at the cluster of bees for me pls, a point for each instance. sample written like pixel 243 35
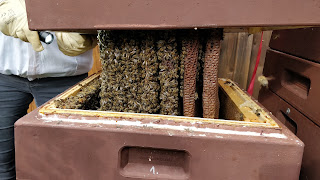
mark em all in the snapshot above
pixel 145 71
pixel 129 72
pixel 148 75
pixel 168 73
pixel 87 98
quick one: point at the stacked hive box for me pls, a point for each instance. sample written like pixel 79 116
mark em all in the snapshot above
pixel 142 75
pixel 81 144
pixel 293 65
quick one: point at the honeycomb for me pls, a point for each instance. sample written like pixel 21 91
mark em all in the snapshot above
pixel 210 75
pixel 190 44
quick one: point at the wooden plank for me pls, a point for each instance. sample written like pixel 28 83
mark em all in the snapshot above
pixel 254 53
pixel 32 106
pixel 265 46
pixel 242 59
pixel 235 57
pixel 227 55
pixel 96 61
pixel 251 111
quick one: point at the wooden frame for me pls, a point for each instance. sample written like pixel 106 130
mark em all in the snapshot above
pixel 240 99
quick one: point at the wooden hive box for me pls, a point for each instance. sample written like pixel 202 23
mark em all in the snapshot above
pixel 245 143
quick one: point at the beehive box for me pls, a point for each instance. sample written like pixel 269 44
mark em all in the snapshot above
pixel 246 142
pixel 300 125
pixel 296 80
pixel 167 14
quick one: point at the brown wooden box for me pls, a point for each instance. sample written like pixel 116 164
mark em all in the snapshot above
pixel 168 14
pixel 69 144
pixel 296 80
pixel 304 43
pixel 303 127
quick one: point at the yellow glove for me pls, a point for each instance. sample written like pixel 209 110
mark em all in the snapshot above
pixel 73 44
pixel 13 22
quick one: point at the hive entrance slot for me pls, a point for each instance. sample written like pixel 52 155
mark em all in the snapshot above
pixel 296 83
pixel 141 162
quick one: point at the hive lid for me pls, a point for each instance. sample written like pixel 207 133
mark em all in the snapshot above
pixel 168 14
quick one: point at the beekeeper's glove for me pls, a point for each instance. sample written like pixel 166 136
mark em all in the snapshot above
pixel 73 44
pixel 13 22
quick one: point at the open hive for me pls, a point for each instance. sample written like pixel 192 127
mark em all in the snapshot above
pixel 79 142
pixel 168 72
pixel 125 136
pixel 161 72
pixel 93 132
pixel 156 111
pixel 157 72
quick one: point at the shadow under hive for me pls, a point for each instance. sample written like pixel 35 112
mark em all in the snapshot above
pixel 149 71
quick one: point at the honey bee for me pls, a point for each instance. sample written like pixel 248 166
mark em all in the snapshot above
pixel 264 81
